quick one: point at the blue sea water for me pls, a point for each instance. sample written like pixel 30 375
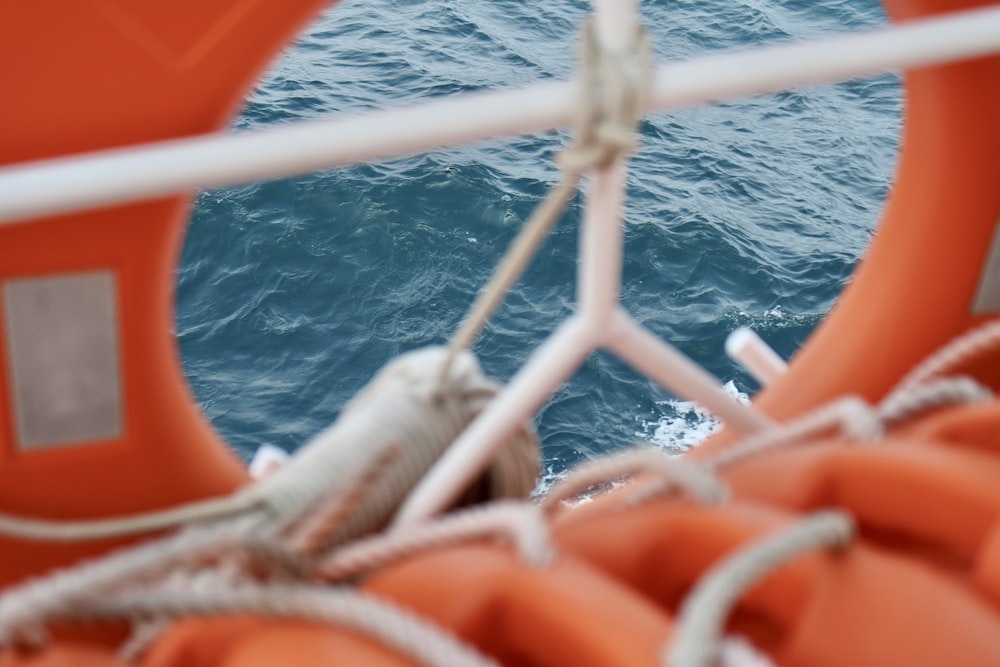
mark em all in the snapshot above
pixel 293 293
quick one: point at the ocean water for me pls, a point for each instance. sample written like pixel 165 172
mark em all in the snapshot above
pixel 293 293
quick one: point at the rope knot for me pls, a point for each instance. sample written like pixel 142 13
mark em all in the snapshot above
pixel 614 87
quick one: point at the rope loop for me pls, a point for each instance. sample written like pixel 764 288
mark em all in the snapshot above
pixel 850 417
pixel 703 613
pixel 408 633
pixel 614 87
pixel 911 400
pixel 963 349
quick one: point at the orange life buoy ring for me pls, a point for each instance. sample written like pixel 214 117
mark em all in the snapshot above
pixel 94 76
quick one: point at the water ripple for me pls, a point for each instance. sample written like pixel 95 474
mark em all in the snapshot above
pixel 293 293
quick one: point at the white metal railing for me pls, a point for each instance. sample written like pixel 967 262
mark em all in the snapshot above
pixel 129 174
pixel 134 173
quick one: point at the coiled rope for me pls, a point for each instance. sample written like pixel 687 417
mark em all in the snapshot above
pixel 356 472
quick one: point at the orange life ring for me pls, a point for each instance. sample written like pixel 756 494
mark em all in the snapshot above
pixel 86 77
pixel 921 283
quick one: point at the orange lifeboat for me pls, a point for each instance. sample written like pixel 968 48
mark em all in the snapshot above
pixel 863 532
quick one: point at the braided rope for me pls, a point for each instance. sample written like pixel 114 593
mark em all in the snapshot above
pixel 28 528
pixel 408 402
pixel 521 524
pixel 316 501
pixel 849 416
pixel 404 631
pixel 911 400
pixel 959 351
pixel 703 613
pixel 24 608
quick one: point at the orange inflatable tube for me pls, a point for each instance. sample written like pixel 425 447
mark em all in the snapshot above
pixel 925 279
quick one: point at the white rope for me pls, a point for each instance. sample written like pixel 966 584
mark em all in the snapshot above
pixel 911 400
pixel 333 454
pixel 25 607
pixel 704 611
pixel 521 524
pixel 737 652
pixel 857 421
pixel 45 530
pixel 408 405
pixel 145 633
pixel 961 350
pixel 340 486
pixel 399 424
pixel 212 547
pixel 849 417
pixel 402 630
pixel 690 479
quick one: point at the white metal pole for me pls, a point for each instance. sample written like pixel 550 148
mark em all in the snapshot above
pixel 601 243
pixel 600 257
pixel 130 174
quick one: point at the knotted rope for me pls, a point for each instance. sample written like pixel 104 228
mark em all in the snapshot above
pixel 345 483
pixel 613 89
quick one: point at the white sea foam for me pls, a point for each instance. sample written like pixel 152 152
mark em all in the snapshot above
pixel 681 426
pixel 684 424
pixel 550 476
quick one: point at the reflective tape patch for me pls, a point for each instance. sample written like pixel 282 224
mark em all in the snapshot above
pixel 63 358
pixel 988 295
